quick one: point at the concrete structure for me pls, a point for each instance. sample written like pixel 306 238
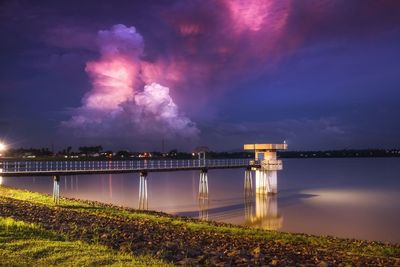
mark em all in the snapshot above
pixel 56 189
pixel 143 200
pixel 266 165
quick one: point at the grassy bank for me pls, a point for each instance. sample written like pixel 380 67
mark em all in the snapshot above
pixel 28 244
pixel 256 240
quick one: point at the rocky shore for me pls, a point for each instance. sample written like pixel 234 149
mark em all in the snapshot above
pixel 191 242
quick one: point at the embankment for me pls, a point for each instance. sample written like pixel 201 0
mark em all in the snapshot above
pixel 188 241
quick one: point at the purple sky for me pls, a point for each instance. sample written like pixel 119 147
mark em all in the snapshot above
pixel 320 74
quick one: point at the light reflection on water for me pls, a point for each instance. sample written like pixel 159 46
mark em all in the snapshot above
pixel 355 198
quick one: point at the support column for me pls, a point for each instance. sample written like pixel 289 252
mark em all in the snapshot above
pixel 266 182
pixel 56 189
pixel 261 183
pixel 143 200
pixel 248 183
pixel 203 195
pixel 272 182
pixel 203 184
pixel 248 194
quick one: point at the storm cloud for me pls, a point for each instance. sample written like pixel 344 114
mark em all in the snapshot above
pixel 118 104
pixel 181 69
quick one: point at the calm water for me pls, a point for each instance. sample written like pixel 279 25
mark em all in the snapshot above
pixel 355 198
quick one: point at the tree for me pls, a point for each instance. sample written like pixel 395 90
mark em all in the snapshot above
pixel 90 149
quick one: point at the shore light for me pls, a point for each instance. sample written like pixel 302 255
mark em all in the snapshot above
pixel 3 147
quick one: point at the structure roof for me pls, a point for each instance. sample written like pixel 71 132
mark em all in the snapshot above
pixel 265 147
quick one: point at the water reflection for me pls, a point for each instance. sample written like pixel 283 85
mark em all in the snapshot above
pixel 260 209
pixel 203 184
pixel 203 208
pixel 263 212
pixel 143 200
pixel 203 195
pixel 110 188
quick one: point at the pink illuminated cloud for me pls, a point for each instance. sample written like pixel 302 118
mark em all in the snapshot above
pixel 117 103
pixel 114 80
pixel 155 102
pixel 249 14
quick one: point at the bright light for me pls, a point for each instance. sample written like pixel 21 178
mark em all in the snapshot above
pixel 3 147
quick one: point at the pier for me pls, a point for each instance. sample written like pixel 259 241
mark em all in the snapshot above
pixel 264 165
pixel 51 168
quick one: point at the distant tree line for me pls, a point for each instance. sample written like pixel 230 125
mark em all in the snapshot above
pixel 45 152
pixel 346 153
pixel 90 149
pixel 89 152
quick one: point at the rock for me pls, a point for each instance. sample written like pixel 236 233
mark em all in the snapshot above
pixel 193 252
pixel 322 264
pixel 182 245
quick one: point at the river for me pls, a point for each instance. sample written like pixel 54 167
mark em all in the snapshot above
pixel 353 198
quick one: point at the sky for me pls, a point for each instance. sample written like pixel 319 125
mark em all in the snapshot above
pixel 319 74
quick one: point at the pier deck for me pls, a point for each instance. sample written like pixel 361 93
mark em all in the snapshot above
pixel 51 168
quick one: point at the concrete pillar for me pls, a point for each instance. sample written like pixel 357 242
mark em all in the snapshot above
pixel 261 182
pixel 248 195
pixel 143 200
pixel 248 183
pixel 203 184
pixel 56 189
pixel 266 182
pixel 272 182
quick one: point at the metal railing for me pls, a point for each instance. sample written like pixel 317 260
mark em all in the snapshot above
pixel 126 165
pixel 270 165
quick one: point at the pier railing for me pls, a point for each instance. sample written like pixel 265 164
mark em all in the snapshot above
pixel 32 167
pixel 269 165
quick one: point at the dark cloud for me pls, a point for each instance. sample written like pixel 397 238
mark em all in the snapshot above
pixel 232 61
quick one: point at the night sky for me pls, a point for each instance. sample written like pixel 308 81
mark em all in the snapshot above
pixel 320 74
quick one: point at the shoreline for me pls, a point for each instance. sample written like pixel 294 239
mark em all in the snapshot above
pixel 182 240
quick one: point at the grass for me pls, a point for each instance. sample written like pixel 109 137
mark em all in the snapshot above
pixel 26 244
pixel 320 242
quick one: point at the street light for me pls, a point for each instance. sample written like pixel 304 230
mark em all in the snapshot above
pixel 3 147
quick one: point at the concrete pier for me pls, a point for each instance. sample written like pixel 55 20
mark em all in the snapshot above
pixel 266 182
pixel 56 189
pixel 203 184
pixel 143 198
pixel 248 182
